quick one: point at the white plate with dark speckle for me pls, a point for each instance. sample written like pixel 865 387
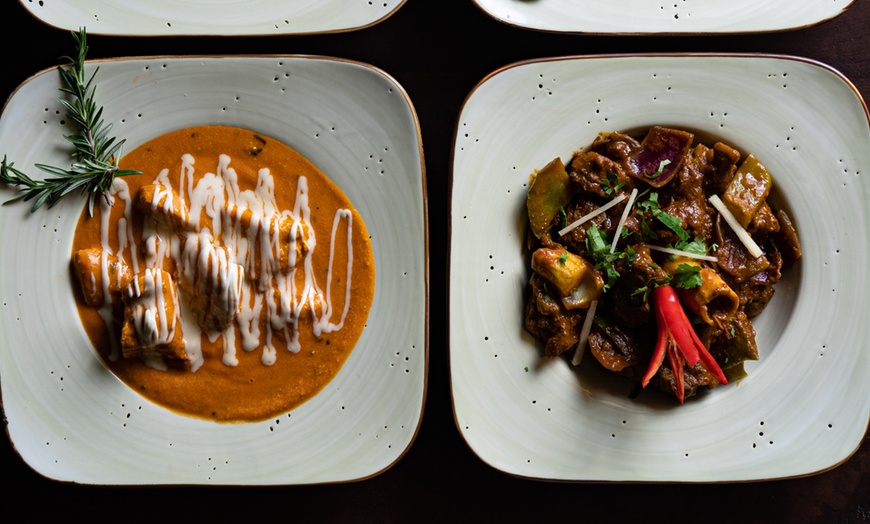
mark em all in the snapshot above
pixel 805 405
pixel 211 17
pixel 672 17
pixel 72 420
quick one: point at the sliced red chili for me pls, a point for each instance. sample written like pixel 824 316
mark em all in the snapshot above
pixel 677 364
pixel 665 300
pixel 677 338
pixel 658 355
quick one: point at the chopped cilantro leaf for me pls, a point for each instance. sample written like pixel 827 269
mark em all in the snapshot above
pixel 647 230
pixel 599 249
pixel 661 168
pixel 687 276
pixel 642 292
pixel 613 185
pixel 596 243
pixel 674 224
pixel 650 204
pixel 696 246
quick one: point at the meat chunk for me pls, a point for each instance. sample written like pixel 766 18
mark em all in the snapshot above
pixel 598 175
pixel 787 240
pixel 152 318
pixel 277 241
pixel 549 320
pixel 614 347
pixel 212 279
pixel 164 206
pixel 88 266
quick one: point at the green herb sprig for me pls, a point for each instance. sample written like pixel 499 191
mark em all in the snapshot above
pixel 96 154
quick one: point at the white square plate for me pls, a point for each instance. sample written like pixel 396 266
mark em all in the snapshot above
pixel 211 17
pixel 805 405
pixel 72 420
pixel 676 17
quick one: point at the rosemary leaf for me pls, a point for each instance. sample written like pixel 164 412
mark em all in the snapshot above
pixel 95 153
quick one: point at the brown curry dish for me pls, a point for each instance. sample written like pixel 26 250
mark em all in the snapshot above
pixel 229 281
pixel 655 253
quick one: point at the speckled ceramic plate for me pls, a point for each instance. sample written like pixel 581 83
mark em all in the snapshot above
pixel 72 420
pixel 676 17
pixel 211 17
pixel 804 406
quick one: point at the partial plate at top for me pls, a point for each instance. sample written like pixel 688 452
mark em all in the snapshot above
pixel 211 17
pixel 675 17
pixel 805 404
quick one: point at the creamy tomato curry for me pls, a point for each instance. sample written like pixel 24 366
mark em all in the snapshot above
pixel 229 281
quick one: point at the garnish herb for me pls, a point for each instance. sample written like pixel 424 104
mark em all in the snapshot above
pixel 648 231
pixel 658 172
pixel 685 242
pixel 651 205
pixel 674 224
pixel 613 185
pixel 696 246
pixel 599 249
pixel 96 153
pixel 687 276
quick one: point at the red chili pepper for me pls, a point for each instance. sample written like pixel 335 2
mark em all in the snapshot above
pixel 659 352
pixel 677 364
pixel 675 332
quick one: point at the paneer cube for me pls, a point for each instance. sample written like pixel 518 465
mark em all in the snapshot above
pixel 152 318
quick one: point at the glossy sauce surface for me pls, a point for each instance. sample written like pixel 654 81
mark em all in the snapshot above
pixel 242 223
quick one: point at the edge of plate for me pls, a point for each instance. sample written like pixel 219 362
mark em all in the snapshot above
pixel 622 32
pixel 206 32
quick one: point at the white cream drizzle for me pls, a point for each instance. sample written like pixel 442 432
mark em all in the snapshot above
pixel 230 246
pixel 153 322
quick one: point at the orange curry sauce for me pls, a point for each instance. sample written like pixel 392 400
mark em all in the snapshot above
pixel 254 312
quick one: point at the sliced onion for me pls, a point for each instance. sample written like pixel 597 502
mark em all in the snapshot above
pixel 741 232
pixel 591 215
pixel 678 252
pixel 584 334
pixel 622 219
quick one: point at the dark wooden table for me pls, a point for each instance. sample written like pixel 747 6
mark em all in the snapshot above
pixel 438 51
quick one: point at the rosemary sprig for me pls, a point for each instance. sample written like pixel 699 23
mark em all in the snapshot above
pixel 96 154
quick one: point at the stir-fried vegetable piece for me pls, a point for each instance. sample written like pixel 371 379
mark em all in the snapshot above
pixel 661 154
pixel 709 297
pixel 677 364
pixel 745 238
pixel 575 279
pixel 748 190
pixel 674 329
pixel 547 196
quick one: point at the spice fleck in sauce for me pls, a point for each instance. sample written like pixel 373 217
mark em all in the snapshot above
pixel 229 281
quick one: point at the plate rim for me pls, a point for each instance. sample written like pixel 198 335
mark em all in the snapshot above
pixel 205 32
pixel 686 33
